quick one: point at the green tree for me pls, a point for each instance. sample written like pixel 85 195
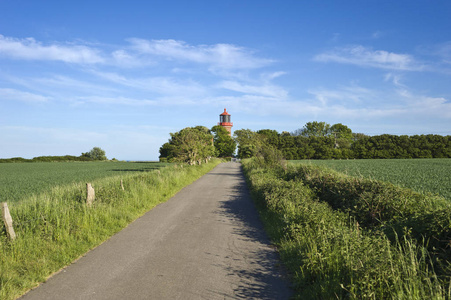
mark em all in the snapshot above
pixel 224 144
pixel 191 145
pixel 96 153
pixel 342 135
pixel 248 142
pixel 316 129
pixel 166 152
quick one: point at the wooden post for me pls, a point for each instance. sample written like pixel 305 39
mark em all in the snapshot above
pixel 91 195
pixel 6 216
pixel 122 185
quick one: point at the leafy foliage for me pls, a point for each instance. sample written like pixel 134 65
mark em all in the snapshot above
pixel 224 144
pixel 96 153
pixel 191 145
pixel 314 129
pixel 319 140
pixel 248 142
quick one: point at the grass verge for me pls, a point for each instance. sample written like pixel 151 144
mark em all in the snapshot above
pixel 330 253
pixel 55 228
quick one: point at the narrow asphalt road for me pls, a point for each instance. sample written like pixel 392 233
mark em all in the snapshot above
pixel 204 243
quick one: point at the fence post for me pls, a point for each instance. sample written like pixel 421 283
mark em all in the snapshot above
pixel 122 185
pixel 91 195
pixel 6 216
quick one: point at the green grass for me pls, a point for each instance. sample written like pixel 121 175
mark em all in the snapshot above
pixel 343 237
pixel 21 180
pixel 421 175
pixel 56 227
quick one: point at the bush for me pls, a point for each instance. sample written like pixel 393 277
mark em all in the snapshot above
pixel 330 255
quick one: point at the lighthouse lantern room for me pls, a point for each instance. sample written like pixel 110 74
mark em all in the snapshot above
pixel 225 121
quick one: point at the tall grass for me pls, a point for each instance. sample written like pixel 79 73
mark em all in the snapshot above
pixel 329 254
pixel 55 228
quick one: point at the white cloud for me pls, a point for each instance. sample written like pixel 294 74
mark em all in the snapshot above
pixel 225 56
pixel 359 103
pixel 366 57
pixel 16 95
pixel 348 95
pixel 267 90
pixel 124 59
pixel 30 49
pixel 159 85
pixel 444 52
pixel 118 101
pixel 394 78
pixel 273 75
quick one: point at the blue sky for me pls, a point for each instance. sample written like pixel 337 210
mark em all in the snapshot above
pixel 122 75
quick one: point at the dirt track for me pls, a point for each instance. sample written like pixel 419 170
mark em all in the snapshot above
pixel 205 243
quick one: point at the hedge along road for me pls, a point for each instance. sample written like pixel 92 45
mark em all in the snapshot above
pixel 206 242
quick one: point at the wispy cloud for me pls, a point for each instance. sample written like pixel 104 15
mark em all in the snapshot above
pixel 267 90
pixel 158 85
pixel 367 57
pixel 30 49
pixel 394 78
pixel 359 102
pixel 117 101
pixel 443 51
pixel 346 95
pixel 224 56
pixel 16 95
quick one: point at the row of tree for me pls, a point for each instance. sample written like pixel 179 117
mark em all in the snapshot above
pixel 319 140
pixel 316 140
pixel 96 153
pixel 195 145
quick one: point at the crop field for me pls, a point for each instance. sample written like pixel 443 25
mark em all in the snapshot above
pixel 421 175
pixel 21 180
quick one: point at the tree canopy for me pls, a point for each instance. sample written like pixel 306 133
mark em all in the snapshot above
pixel 224 144
pixel 191 145
pixel 316 140
pixel 96 153
pixel 319 140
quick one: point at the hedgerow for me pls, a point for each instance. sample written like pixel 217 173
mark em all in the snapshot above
pixel 342 238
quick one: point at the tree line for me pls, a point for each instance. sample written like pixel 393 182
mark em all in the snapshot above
pixel 316 140
pixel 96 154
pixel 319 140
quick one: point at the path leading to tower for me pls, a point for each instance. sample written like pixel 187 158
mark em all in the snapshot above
pixel 204 243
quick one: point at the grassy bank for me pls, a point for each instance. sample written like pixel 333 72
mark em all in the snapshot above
pixel 342 237
pixel 55 228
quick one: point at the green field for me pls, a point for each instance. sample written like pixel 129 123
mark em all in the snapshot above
pixel 21 180
pixel 421 175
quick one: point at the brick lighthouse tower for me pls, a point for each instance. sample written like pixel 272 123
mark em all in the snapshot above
pixel 224 121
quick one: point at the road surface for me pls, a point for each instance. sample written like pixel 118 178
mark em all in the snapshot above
pixel 204 243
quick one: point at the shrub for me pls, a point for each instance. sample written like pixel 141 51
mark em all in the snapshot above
pixel 329 254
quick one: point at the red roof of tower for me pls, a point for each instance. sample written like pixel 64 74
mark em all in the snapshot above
pixel 225 113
